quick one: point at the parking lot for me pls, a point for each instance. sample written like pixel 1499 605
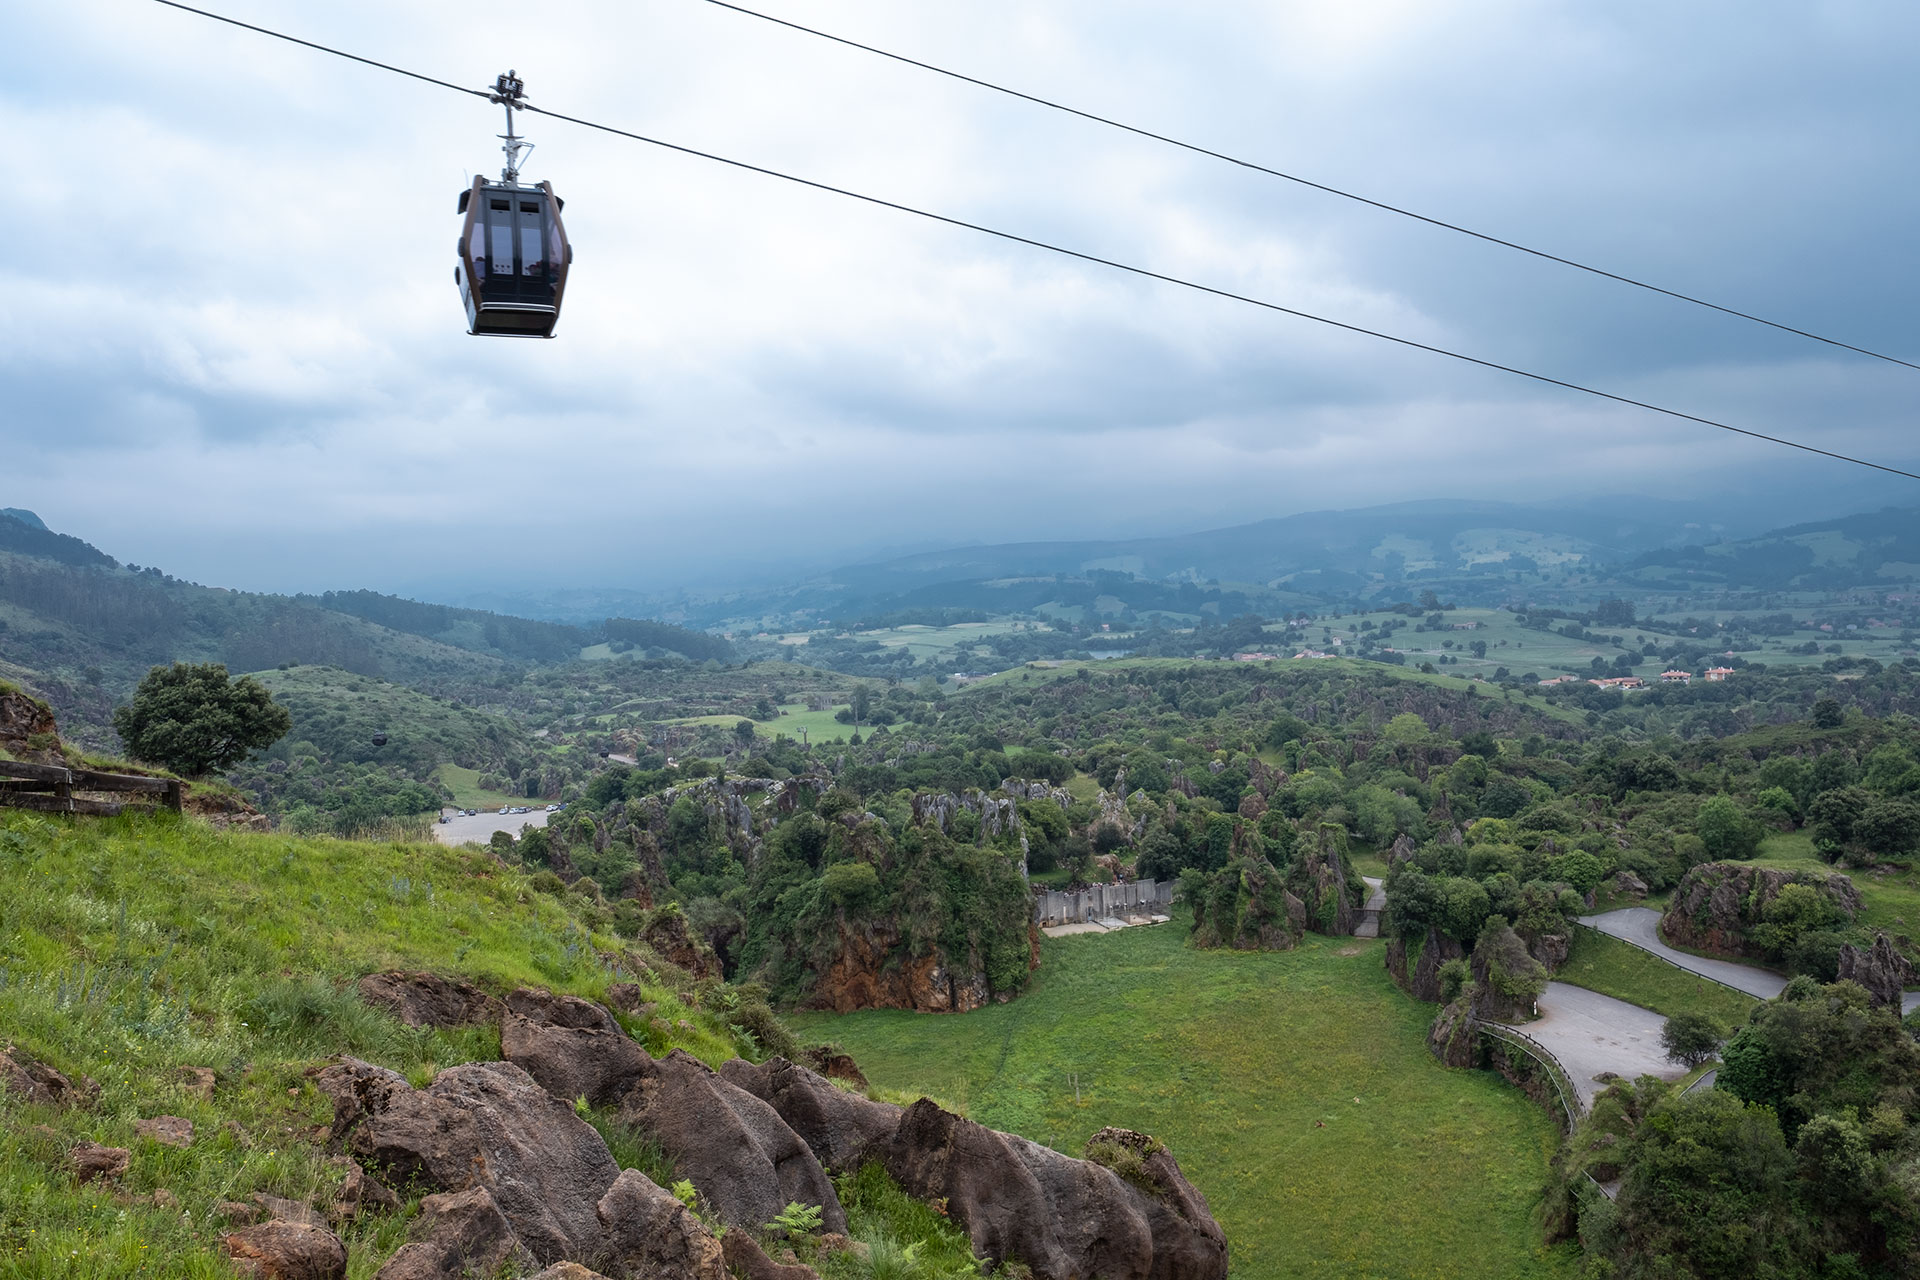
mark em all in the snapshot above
pixel 460 829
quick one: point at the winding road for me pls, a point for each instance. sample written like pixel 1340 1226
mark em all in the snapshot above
pixel 1592 1034
pixel 1640 926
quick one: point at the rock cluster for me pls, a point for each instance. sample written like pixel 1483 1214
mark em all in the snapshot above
pixel 520 1180
pixel 1881 969
pixel 1421 979
pixel 1717 904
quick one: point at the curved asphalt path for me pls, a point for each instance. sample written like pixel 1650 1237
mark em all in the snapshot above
pixel 1592 1034
pixel 1641 927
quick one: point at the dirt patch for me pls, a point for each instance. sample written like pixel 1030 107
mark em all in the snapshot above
pixel 1351 950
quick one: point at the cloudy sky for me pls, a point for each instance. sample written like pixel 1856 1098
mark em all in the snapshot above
pixel 233 346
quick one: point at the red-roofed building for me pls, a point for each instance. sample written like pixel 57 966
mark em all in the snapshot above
pixel 1719 673
pixel 1676 677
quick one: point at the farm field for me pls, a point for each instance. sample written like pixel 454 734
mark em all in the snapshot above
pixel 820 726
pixel 467 791
pixel 1295 1089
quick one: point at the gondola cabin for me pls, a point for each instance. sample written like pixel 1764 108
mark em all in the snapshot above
pixel 513 261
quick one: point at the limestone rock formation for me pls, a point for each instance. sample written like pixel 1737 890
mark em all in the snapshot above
pixel 1186 1239
pixel 1881 969
pixel 1322 878
pixel 429 1000
pixel 27 729
pixel 1453 1038
pixel 1506 977
pixel 1716 905
pixel 1421 980
pixel 745 1258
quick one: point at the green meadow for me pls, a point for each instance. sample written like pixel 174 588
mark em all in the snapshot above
pixel 1295 1089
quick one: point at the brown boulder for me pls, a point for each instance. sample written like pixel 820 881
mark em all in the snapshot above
pixel 650 1234
pixel 489 1124
pixel 196 1082
pixel 736 1149
pixel 746 1259
pixel 357 1090
pixel 833 1064
pixel 90 1160
pixel 1062 1217
pixel 168 1131
pixel 463 1234
pixel 573 1047
pixel 628 998
pixel 843 1129
pixel 358 1192
pixel 275 1209
pixel 567 1271
pixel 287 1251
pixel 1881 969
pixel 35 1082
pixel 429 1000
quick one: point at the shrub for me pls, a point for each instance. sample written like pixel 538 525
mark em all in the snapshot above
pixel 1691 1038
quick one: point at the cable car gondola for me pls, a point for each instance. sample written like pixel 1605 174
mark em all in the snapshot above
pixel 513 250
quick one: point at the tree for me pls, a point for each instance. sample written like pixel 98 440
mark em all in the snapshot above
pixel 743 734
pixel 1827 714
pixel 1691 1038
pixel 1726 830
pixel 194 718
pixel 862 701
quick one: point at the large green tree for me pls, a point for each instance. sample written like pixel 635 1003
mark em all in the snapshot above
pixel 194 718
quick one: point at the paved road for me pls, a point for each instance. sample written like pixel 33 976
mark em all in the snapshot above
pixel 1376 902
pixel 1591 1033
pixel 1640 926
pixel 482 825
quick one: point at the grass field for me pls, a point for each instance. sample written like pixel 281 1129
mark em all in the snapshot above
pixel 1295 1089
pixel 1891 895
pixel 1625 972
pixel 467 791
pixel 819 726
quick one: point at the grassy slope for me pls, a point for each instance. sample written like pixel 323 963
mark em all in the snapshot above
pixel 1237 1061
pixel 1891 895
pixel 1625 972
pixel 131 947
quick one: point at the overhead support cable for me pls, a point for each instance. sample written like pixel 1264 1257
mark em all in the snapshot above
pixel 1402 211
pixel 1062 250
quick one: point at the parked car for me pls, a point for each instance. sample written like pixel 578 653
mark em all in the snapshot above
pixel 553 808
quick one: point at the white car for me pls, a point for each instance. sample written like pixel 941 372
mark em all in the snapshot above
pixel 553 808
pixel 504 810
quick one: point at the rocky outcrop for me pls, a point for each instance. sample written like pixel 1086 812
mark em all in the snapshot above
pixel 429 1000
pixel 1186 1239
pixel 1320 877
pixel 91 1161
pixel 572 1047
pixel 27 729
pixel 1035 789
pixel 650 1234
pixel 1421 978
pixel 747 1260
pixel 484 1124
pixel 668 933
pixel 998 815
pixel 1063 1218
pixel 1506 977
pixel 747 1163
pixel 833 1064
pixel 516 1170
pixel 1453 1038
pixel 844 1130
pixel 867 973
pixel 1881 969
pixel 1717 905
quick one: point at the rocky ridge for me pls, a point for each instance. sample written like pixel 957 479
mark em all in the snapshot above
pixel 518 1177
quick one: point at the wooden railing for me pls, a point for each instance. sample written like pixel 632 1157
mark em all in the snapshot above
pixel 50 787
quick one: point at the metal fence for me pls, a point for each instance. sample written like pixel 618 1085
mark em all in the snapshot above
pixel 1556 1073
pixel 1101 901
